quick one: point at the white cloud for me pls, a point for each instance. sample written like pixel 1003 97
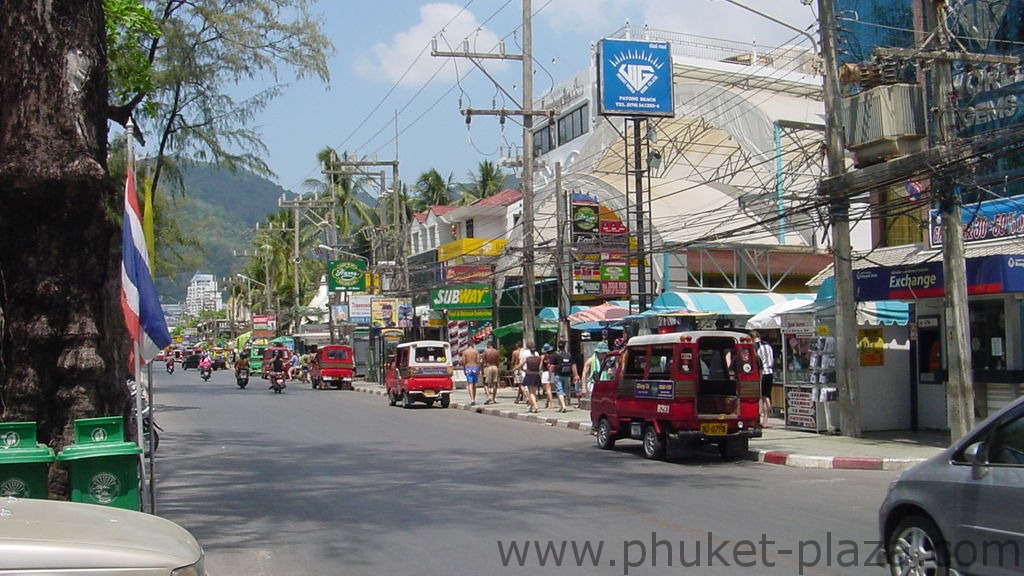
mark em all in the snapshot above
pixel 406 58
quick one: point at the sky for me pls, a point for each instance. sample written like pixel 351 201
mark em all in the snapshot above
pixel 388 98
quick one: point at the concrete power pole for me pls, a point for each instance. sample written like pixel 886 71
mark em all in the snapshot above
pixel 527 112
pixel 960 385
pixel 848 377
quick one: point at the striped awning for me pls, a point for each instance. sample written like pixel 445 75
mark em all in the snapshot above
pixel 724 303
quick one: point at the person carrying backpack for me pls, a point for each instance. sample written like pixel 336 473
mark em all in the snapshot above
pixel 565 373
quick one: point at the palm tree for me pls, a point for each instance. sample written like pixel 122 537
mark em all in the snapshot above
pixel 432 190
pixel 488 180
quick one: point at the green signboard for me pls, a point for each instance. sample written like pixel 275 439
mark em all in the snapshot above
pixel 346 275
pixel 465 296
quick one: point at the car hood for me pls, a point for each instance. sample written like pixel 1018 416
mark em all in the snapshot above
pixel 49 535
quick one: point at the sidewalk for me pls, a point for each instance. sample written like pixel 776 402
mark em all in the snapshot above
pixel 896 450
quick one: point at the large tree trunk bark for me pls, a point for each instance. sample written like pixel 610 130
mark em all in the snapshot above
pixel 62 337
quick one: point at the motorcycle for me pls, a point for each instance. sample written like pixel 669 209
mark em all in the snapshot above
pixel 150 428
pixel 277 382
pixel 205 372
pixel 170 367
pixel 242 378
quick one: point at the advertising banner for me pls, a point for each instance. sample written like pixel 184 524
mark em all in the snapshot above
pixel 635 78
pixel 359 308
pixel 346 275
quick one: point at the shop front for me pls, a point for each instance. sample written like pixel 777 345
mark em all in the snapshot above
pixel 995 287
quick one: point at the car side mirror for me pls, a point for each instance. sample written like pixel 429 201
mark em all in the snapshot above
pixel 977 455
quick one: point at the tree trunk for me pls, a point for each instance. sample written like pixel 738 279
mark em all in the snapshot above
pixel 62 336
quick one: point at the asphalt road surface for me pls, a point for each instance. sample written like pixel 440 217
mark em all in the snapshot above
pixel 313 482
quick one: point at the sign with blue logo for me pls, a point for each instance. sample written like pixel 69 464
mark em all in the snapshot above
pixel 635 78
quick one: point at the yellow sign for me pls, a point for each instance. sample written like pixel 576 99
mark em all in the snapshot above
pixel 871 346
pixel 456 249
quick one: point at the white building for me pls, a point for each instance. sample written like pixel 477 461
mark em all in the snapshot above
pixel 203 294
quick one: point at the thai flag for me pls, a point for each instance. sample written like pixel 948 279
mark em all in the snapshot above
pixel 139 300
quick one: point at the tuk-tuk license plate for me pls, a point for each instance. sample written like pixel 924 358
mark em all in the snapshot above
pixel 429 392
pixel 714 428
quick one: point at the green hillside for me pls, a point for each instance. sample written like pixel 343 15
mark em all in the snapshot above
pixel 221 210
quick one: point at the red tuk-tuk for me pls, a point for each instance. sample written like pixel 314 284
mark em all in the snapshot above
pixel 420 371
pixel 677 391
pixel 337 365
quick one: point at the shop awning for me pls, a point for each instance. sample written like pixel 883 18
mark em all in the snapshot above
pixel 724 303
pixel 884 312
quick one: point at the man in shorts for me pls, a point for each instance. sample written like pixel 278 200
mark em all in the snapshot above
pixel 471 364
pixel 492 372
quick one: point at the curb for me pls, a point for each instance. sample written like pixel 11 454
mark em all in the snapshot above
pixel 831 462
pixel 776 457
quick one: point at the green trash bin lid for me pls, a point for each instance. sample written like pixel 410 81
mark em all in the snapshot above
pixel 97 430
pixel 17 435
pixel 97 450
pixel 39 453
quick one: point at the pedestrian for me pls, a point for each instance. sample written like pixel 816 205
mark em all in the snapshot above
pixel 563 368
pixel 546 372
pixel 517 374
pixel 531 366
pixel 766 361
pixel 592 368
pixel 471 364
pixel 492 372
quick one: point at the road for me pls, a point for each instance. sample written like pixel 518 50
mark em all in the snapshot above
pixel 314 482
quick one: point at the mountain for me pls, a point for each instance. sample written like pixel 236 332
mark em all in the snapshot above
pixel 220 209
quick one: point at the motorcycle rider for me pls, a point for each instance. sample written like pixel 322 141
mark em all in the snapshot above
pixel 241 363
pixel 170 364
pixel 205 364
pixel 276 366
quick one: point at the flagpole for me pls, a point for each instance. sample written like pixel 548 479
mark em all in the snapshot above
pixel 136 342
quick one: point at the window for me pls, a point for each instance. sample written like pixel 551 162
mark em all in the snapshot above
pixel 636 361
pixel 573 125
pixel 543 141
pixel 661 362
pixel 433 237
pixel 415 242
pixel 1006 444
pixel 988 335
pixel 469 228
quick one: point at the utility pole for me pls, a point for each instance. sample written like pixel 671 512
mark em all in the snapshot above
pixel 839 219
pixel 527 112
pixel 396 229
pixel 562 264
pixel 960 384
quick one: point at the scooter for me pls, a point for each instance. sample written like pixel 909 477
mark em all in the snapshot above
pixel 242 378
pixel 170 367
pixel 277 382
pixel 150 427
pixel 205 373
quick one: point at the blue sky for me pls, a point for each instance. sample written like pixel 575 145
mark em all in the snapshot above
pixel 383 68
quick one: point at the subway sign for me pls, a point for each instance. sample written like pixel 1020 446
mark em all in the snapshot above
pixel 465 296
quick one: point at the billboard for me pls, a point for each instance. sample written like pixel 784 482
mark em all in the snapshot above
pixel 346 275
pixel 634 78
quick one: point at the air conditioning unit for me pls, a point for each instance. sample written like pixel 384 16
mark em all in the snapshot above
pixel 884 122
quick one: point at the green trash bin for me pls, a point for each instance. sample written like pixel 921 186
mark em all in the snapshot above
pixel 23 462
pixel 104 469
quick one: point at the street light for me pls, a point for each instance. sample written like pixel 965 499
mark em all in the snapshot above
pixel 343 252
pixel 248 290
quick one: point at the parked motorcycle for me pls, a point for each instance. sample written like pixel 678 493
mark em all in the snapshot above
pixel 150 428
pixel 242 378
pixel 277 381
pixel 205 373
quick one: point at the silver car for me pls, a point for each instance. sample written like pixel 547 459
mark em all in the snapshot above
pixel 962 511
pixel 65 538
